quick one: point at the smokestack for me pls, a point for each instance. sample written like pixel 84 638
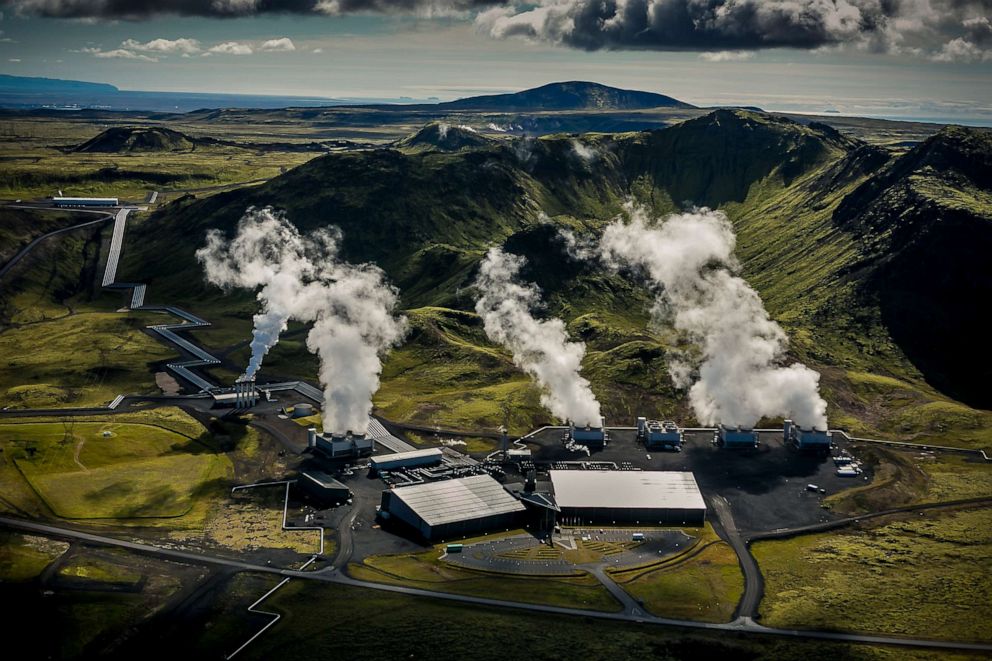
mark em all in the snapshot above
pixel 312 437
pixel 540 347
pixel 787 431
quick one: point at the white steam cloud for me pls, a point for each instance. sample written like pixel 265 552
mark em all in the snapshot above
pixel 738 376
pixel 540 347
pixel 302 277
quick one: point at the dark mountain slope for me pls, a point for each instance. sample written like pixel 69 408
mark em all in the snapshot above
pixel 716 158
pixel 440 136
pixel 571 95
pixel 925 225
pixel 129 140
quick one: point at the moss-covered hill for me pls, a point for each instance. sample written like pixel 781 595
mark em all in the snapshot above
pixel 791 190
pixel 131 140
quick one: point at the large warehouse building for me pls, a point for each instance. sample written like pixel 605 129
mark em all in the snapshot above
pixel 452 508
pixel 644 497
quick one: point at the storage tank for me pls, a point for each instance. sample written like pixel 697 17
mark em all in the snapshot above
pixel 302 410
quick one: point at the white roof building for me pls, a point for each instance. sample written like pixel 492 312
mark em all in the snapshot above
pixel 664 497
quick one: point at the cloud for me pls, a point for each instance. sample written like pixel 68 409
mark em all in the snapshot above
pixel 15 60
pixel 901 26
pixel 139 9
pixel 179 46
pixel 282 44
pixel 117 53
pixel 230 48
pixel 727 56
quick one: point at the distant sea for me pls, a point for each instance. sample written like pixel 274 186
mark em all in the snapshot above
pixel 177 102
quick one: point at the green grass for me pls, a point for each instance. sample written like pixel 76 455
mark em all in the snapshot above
pixel 144 467
pixel 23 557
pixel 703 582
pixel 99 570
pixel 925 576
pixel 426 571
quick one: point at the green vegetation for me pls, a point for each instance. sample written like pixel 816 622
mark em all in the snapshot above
pixel 23 557
pixel 426 571
pixel 702 582
pixel 925 575
pixel 425 628
pixel 114 467
pixel 96 569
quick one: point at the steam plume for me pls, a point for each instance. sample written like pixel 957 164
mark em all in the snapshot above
pixel 540 347
pixel 302 277
pixel 738 376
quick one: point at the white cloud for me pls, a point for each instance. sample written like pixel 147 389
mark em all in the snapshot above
pixel 14 59
pixel 962 50
pixel 118 53
pixel 282 44
pixel 230 48
pixel 181 46
pixel 317 51
pixel 727 56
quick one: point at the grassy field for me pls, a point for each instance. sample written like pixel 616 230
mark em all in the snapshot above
pixel 253 520
pixel 703 582
pixel 925 576
pixel 98 569
pixel 425 570
pixel 23 557
pixel 159 467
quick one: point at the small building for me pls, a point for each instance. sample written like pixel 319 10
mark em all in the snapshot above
pixel 643 497
pixel 60 201
pixel 807 438
pixel 736 437
pixel 451 508
pixel 659 435
pixel 347 446
pixel 592 436
pixel 323 487
pixel 412 459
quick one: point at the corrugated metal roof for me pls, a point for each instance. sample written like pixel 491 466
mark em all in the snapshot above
pixel 463 499
pixel 626 489
pixel 386 459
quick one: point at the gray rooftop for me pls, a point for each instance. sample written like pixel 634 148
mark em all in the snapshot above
pixel 626 489
pixel 404 456
pixel 463 499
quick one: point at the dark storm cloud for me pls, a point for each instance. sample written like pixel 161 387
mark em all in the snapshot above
pixel 893 25
pixel 136 9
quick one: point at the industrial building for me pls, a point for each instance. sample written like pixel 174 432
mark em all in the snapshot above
pixel 592 437
pixel 323 487
pixel 807 439
pixel 656 435
pixel 347 446
pixel 643 497
pixel 452 508
pixel 60 201
pixel 243 395
pixel 740 438
pixel 412 459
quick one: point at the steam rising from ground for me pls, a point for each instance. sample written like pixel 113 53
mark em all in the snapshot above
pixel 540 347
pixel 302 277
pixel 738 376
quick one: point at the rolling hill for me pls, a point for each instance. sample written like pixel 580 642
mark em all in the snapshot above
pixel 808 205
pixel 131 139
pixel 571 95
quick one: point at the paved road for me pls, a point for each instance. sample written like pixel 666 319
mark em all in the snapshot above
pixel 28 248
pixel 754 582
pixel 742 624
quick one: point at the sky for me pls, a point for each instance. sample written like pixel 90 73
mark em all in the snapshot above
pixel 895 58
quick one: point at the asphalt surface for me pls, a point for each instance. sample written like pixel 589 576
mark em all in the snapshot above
pixel 754 582
pixel 334 575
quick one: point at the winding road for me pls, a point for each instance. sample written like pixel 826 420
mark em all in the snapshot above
pixel 336 576
pixel 13 261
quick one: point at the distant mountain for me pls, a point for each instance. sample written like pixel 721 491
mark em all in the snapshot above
pixel 30 85
pixel 439 136
pixel 572 95
pixel 128 140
